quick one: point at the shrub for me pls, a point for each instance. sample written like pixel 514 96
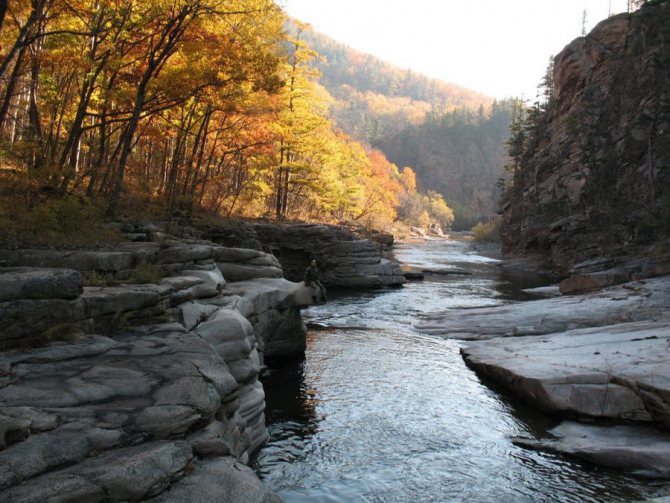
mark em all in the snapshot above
pixel 487 232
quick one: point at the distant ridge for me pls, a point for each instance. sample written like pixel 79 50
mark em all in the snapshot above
pixel 451 136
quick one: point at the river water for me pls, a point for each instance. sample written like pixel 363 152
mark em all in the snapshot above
pixel 378 412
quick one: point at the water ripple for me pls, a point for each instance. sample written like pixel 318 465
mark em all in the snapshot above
pixel 381 413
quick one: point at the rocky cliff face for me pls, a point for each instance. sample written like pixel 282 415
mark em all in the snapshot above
pixel 345 258
pixel 593 189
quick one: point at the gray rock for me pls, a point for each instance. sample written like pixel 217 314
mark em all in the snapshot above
pixel 80 260
pixel 166 421
pixel 544 291
pixel 184 254
pixel 643 450
pixel 222 480
pixel 68 444
pixel 280 333
pixel 244 272
pixel 12 430
pixel 630 302
pixel 191 392
pixel 56 488
pixel 584 283
pixel 238 255
pixel 619 371
pixel 29 283
pixel 264 294
pixel 211 285
pixel 139 472
pixel 229 333
pixel 216 439
pixel 344 258
pixel 247 369
pixel 34 322
pixel 38 421
pixel 252 402
pixel 101 301
pixel 191 314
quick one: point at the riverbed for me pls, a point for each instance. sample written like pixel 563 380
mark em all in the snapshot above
pixel 378 412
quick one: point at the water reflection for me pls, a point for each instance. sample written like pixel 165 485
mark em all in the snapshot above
pixel 377 412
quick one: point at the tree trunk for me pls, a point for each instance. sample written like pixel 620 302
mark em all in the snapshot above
pixel 11 88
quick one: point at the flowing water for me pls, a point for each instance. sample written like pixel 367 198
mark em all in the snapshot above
pixel 381 413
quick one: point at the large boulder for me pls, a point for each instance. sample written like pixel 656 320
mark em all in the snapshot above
pixel 272 306
pixel 635 301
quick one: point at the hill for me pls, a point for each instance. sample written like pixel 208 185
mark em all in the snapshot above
pixel 451 136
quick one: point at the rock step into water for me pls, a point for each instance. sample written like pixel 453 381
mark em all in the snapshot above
pixel 614 372
pixel 644 451
pixel 636 301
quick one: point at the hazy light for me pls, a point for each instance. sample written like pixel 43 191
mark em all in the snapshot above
pixel 498 47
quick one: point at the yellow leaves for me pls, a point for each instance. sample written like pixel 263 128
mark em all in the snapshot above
pixel 408 179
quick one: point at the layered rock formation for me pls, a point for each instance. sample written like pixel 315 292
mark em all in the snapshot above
pixel 143 390
pixel 593 188
pixel 345 258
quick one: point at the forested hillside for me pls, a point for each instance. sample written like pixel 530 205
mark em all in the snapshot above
pixel 451 136
pixel 179 107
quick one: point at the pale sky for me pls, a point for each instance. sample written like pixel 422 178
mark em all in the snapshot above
pixel 498 47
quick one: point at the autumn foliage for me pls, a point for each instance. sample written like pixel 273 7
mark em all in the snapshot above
pixel 181 107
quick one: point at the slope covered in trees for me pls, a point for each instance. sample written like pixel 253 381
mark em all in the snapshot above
pixel 452 137
pixel 178 107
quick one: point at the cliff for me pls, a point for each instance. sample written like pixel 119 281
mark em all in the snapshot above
pixel 133 373
pixel 593 189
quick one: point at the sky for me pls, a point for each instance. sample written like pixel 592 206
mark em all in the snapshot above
pixel 497 47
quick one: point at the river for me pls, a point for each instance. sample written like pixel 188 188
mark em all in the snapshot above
pixel 378 412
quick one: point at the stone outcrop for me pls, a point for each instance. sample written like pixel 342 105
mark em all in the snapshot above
pixel 593 188
pixel 597 356
pixel 638 301
pixel 644 451
pixel 143 390
pixel 345 258
pixel 615 372
pixel 125 418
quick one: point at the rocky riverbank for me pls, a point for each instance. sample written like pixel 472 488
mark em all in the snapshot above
pixel 600 356
pixel 131 373
pixel 345 258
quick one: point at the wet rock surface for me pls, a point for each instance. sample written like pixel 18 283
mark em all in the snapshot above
pixel 636 301
pixel 616 372
pixel 644 451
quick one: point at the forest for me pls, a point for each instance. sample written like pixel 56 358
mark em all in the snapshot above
pixel 178 108
pixel 452 137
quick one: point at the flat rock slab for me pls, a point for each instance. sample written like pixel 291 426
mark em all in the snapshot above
pixel 81 260
pixel 263 294
pixel 34 283
pixel 620 371
pixel 643 450
pixel 635 301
